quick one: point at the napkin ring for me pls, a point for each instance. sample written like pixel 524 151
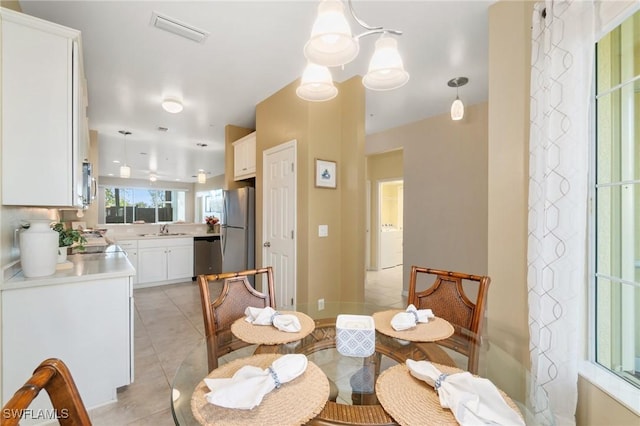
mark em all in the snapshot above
pixel 415 314
pixel 274 375
pixel 439 381
pixel 274 315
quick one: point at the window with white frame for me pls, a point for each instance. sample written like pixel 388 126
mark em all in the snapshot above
pixel 616 216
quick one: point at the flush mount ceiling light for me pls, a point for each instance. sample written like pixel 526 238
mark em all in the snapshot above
pixel 172 105
pixel 457 107
pixel 331 44
pixel 125 171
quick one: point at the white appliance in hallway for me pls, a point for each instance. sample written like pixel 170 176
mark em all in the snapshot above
pixel 238 230
pixel 390 216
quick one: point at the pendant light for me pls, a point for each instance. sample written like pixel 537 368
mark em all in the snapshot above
pixel 331 44
pixel 386 71
pixel 125 170
pixel 202 175
pixel 316 84
pixel 457 107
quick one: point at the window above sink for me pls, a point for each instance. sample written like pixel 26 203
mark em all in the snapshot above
pixel 141 205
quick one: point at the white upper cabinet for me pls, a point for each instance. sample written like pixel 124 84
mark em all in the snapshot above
pixel 44 128
pixel 244 157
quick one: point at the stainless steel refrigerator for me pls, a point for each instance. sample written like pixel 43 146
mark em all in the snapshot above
pixel 238 230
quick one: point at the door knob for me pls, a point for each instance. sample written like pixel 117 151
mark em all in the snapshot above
pixel 267 244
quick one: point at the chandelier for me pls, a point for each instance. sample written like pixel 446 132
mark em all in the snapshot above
pixel 332 44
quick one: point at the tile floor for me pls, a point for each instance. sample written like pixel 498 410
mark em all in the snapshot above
pixel 168 324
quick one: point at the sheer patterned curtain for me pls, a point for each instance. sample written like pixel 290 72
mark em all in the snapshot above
pixel 561 79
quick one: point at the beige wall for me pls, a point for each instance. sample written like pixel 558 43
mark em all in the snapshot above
pixel 380 167
pixel 445 190
pixel 11 4
pixel 331 267
pixel 509 71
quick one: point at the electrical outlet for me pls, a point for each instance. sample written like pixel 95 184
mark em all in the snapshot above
pixel 320 304
pixel 323 230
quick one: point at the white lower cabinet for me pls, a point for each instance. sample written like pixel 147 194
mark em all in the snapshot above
pixel 163 260
pixel 130 248
pixel 87 324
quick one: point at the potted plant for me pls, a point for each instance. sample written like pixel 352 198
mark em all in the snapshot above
pixel 67 238
pixel 212 223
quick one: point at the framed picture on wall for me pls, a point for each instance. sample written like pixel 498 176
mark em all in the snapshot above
pixel 326 174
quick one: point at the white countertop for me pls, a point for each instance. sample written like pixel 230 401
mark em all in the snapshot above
pixel 131 236
pixel 86 267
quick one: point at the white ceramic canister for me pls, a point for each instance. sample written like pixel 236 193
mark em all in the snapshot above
pixel 38 249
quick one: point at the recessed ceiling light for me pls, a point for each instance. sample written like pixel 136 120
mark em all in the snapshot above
pixel 172 105
pixel 116 161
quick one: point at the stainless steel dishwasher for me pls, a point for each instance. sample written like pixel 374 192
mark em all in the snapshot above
pixel 207 255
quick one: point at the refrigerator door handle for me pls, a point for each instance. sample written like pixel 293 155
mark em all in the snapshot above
pixel 223 237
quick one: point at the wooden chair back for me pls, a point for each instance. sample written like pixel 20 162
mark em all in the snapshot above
pixel 237 294
pixel 54 377
pixel 448 299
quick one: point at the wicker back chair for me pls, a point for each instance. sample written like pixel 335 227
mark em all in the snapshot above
pixel 53 376
pixel 447 298
pixel 236 295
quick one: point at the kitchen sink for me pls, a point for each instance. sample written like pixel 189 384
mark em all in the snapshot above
pixel 168 234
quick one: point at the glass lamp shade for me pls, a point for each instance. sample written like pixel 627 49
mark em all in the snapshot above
pixel 316 84
pixel 125 171
pixel 331 43
pixel 202 176
pixel 173 106
pixel 386 70
pixel 457 109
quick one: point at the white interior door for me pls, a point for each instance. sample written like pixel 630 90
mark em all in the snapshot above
pixel 279 219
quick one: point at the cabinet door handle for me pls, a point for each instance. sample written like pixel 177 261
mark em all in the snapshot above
pixel 267 244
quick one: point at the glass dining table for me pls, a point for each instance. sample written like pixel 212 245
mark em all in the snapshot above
pixel 353 395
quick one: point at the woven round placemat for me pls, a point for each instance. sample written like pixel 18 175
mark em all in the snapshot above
pixel 413 402
pixel 435 329
pixel 268 334
pixel 295 403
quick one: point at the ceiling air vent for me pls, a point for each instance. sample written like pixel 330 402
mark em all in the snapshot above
pixel 179 28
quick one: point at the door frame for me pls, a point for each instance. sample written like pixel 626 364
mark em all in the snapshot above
pixel 292 144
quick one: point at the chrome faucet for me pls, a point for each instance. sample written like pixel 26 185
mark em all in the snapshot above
pixel 164 229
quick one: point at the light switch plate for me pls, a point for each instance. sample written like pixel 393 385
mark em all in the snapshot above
pixel 323 230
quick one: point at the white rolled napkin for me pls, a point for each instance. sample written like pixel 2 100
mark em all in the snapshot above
pixel 410 317
pixel 269 316
pixel 248 386
pixel 472 400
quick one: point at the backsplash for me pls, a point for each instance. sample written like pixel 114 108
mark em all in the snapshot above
pixel 114 231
